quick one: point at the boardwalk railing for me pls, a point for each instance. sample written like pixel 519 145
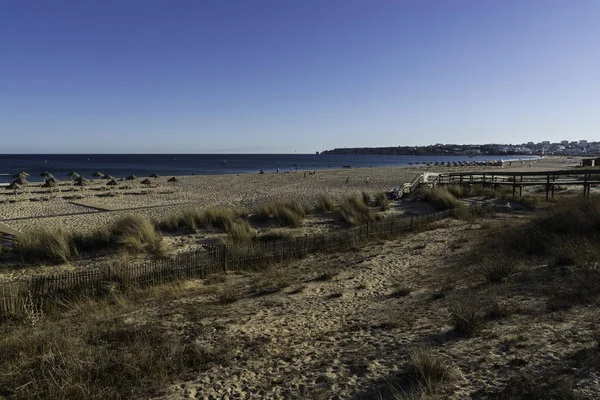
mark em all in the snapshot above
pixel 549 180
pixel 18 297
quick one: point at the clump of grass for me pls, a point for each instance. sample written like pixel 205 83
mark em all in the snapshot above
pixel 354 211
pixel 240 231
pixel 214 279
pixel 429 369
pixel 137 234
pixel 326 275
pixel 297 289
pixel 465 318
pixel 497 310
pixel 287 213
pixel 222 218
pixel 274 235
pixel 529 201
pixel 468 214
pixel 366 199
pixel 400 288
pixel 382 201
pixel 325 203
pixel 497 269
pixel 46 245
pixel 228 295
pixel 270 281
pixel 456 191
pixel 440 197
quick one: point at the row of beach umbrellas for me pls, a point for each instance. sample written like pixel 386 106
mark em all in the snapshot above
pixel 50 181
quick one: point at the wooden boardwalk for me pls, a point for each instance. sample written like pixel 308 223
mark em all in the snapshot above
pixel 549 180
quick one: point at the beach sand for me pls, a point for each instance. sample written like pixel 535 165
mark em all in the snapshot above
pixel 97 207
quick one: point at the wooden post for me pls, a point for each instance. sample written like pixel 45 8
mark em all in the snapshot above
pixel 224 249
pixel 585 188
pixel 521 187
pixel 514 186
pixel 547 186
pixel 553 184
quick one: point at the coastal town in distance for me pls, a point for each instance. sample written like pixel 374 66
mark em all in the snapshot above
pixel 564 148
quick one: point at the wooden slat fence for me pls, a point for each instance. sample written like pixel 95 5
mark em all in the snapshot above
pixel 20 296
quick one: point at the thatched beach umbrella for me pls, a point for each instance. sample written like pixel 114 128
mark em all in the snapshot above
pixel 53 179
pixel 20 181
pixel 21 175
pixel 131 177
pixel 112 182
pixel 154 176
pixel 81 182
pixel 109 177
pixel 50 185
pixel 14 186
pixel 97 174
pixel 73 176
pixel 43 174
pixel 146 182
pixel 173 180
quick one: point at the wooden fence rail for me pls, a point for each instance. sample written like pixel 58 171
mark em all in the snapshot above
pixel 22 296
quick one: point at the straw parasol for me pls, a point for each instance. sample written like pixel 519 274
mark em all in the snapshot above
pixel 109 177
pixel 97 174
pixel 131 177
pixel 154 176
pixel 14 186
pixel 112 182
pixel 146 182
pixel 43 174
pixel 53 179
pixel 20 181
pixel 50 185
pixel 21 175
pixel 173 180
pixel 74 175
pixel 81 182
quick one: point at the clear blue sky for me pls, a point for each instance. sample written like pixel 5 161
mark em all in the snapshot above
pixel 205 76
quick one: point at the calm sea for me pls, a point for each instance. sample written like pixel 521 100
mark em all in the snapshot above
pixel 121 165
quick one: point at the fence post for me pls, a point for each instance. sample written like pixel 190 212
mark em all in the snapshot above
pixel 224 258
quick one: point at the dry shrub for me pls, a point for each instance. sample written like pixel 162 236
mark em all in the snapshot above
pixel 95 358
pixel 228 295
pixel 287 213
pixel 325 203
pixel 382 201
pixel 456 191
pixel 573 222
pixel 440 198
pixel 275 235
pixel 46 245
pixel 497 269
pixel 222 218
pixel 469 213
pixel 355 212
pixel 430 369
pixel 465 318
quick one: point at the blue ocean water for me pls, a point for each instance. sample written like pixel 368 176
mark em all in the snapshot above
pixel 121 165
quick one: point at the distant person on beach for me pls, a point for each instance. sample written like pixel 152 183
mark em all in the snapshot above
pixel 304 174
pixel 347 179
pixel 367 180
pixel 277 170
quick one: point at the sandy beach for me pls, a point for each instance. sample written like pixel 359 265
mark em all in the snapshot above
pixel 97 204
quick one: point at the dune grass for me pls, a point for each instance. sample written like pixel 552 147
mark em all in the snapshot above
pixel 325 203
pixel 440 197
pixel 355 212
pixel 285 213
pixel 46 245
pixel 382 201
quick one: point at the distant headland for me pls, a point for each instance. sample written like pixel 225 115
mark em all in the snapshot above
pixel 565 147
